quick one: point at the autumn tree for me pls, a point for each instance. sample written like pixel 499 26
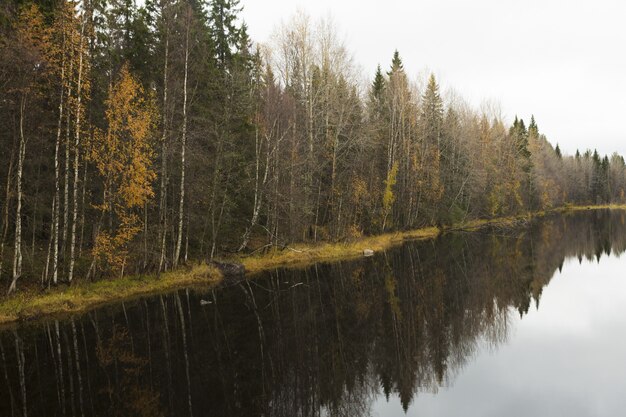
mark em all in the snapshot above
pixel 123 156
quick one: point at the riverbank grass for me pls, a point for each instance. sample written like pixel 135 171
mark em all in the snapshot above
pixel 305 254
pixel 32 303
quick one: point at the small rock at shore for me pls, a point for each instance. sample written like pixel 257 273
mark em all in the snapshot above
pixel 368 252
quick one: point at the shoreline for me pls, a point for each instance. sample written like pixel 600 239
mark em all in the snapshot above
pixel 34 304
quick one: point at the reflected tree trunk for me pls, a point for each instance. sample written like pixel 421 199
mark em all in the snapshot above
pixel 78 372
pixel 185 352
pixel 6 377
pixel 19 354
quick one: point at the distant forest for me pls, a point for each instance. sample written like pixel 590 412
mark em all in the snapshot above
pixel 135 139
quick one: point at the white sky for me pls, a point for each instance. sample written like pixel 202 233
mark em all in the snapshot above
pixel 563 61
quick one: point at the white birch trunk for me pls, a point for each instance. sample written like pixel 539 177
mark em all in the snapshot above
pixel 179 239
pixel 45 275
pixel 5 214
pixel 56 206
pixel 70 274
pixel 17 254
pixel 163 194
pixel 66 184
pixel 259 187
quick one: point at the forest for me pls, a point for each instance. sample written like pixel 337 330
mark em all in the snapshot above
pixel 139 137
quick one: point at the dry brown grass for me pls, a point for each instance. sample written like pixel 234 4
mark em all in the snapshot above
pixel 32 303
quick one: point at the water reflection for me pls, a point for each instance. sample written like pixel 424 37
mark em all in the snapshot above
pixel 328 340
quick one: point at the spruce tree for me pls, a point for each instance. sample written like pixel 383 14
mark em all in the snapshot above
pixel 396 62
pixel 559 155
pixel 432 113
pixel 533 130
pixel 226 34
pixel 378 85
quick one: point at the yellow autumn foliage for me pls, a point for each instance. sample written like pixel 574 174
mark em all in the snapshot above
pixel 388 196
pixel 123 156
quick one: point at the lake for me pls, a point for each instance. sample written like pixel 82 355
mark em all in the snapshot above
pixel 497 322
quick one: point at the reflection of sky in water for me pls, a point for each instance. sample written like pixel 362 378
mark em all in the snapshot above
pixel 566 359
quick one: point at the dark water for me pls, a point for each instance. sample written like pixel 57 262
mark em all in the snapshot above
pixel 495 323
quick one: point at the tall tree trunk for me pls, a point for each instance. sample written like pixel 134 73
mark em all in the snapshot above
pixel 70 274
pixel 34 213
pixel 81 241
pixel 213 199
pixel 46 271
pixel 187 242
pixel 17 254
pixel 66 183
pixel 5 215
pixel 163 191
pixel 56 206
pixel 179 239
pixel 259 186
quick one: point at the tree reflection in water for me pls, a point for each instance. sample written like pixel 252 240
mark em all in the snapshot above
pixel 326 340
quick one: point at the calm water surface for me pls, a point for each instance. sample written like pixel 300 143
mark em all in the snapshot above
pixel 515 323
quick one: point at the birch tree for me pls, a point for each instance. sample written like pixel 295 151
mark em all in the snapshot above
pixel 183 144
pixel 32 40
pixel 82 86
pixel 123 157
pixel 165 21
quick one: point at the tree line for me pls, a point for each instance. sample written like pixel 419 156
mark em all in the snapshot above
pixel 137 138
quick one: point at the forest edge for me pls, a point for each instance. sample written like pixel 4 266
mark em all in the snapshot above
pixel 34 304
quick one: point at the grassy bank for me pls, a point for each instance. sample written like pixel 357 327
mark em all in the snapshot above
pixel 32 303
pixel 305 254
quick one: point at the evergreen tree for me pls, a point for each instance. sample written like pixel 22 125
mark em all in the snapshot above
pixel 533 130
pixel 429 169
pixel 396 63
pixel 378 86
pixel 223 23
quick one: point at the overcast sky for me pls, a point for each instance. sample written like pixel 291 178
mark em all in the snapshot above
pixel 563 61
